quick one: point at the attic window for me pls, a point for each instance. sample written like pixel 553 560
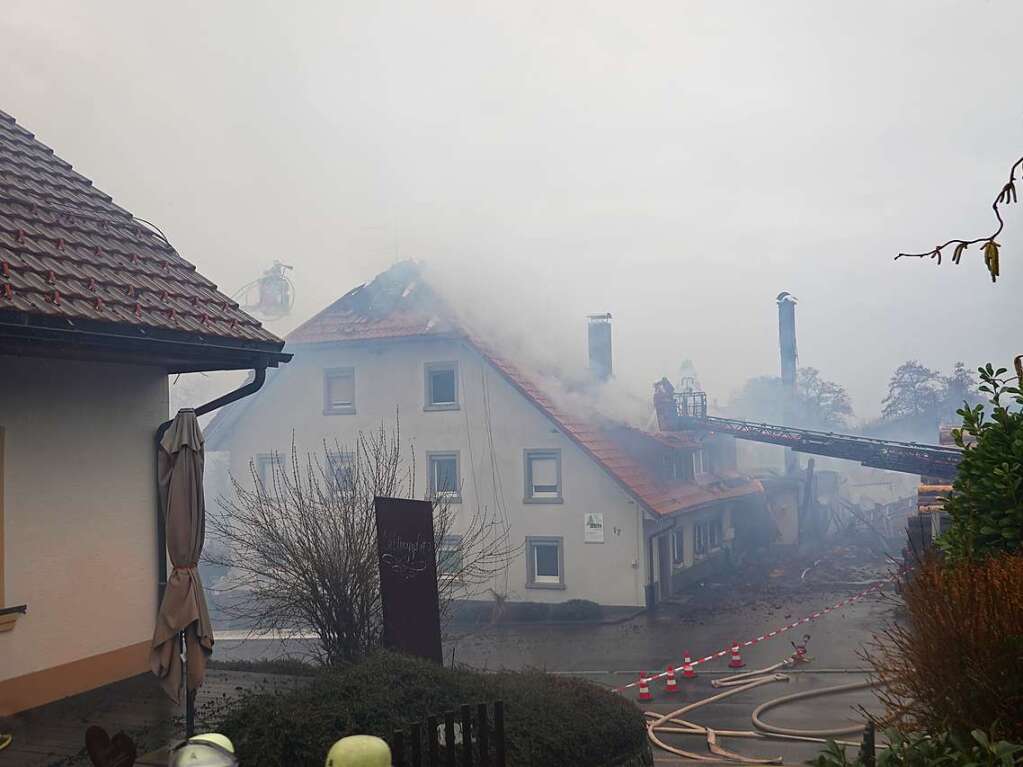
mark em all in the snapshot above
pixel 442 386
pixel 339 391
pixel 543 476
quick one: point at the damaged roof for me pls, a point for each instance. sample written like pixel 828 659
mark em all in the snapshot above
pixel 79 272
pixel 399 304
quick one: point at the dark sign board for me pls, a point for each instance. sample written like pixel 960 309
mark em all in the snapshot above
pixel 408 576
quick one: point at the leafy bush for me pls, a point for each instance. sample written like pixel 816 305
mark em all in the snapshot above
pixel 975 750
pixel 548 719
pixel 986 504
pixel 956 662
pixel 576 610
pixel 528 612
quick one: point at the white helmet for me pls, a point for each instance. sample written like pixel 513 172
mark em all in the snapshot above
pixel 207 750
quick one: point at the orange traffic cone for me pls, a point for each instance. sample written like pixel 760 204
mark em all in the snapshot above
pixel 644 687
pixel 671 683
pixel 687 667
pixel 736 661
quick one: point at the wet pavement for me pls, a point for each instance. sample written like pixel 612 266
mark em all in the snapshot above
pixel 613 655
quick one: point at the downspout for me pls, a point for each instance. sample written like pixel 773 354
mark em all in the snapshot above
pixel 161 529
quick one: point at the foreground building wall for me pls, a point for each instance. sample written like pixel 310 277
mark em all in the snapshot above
pixel 78 514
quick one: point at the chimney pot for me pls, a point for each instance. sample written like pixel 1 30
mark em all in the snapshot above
pixel 599 345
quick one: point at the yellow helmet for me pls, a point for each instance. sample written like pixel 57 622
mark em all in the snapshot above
pixel 210 749
pixel 359 751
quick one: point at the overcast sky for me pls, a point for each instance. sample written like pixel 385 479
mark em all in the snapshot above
pixel 677 164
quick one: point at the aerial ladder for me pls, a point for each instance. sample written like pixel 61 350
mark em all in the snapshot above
pixel 687 411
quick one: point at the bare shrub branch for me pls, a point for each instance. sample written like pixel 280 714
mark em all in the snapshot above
pixel 301 551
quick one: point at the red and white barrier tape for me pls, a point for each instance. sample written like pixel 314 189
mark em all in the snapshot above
pixel 764 637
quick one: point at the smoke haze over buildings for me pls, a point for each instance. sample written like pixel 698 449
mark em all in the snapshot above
pixel 675 164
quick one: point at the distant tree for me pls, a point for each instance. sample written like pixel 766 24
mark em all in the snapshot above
pixel 960 386
pixel 913 390
pixel 825 404
pixel 819 404
pixel 761 399
pixel 989 243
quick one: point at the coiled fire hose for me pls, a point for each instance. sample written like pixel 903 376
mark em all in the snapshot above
pixel 823 733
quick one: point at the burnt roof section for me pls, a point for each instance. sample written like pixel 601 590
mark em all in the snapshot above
pixel 79 272
pixel 396 304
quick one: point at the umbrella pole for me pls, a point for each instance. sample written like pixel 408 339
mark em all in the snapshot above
pixel 189 694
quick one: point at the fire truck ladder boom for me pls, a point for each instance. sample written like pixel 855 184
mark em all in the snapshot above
pixel 909 457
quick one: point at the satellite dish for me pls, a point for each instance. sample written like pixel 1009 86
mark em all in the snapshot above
pixel 272 296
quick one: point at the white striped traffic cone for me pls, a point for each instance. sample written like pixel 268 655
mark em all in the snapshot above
pixel 644 687
pixel 687 667
pixel 736 661
pixel 671 683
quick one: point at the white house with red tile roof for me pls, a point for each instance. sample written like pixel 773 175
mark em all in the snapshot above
pixel 96 309
pixel 606 514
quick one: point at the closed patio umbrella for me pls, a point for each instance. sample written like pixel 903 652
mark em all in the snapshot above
pixel 183 608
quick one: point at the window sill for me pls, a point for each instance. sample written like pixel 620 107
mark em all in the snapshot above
pixel 528 499
pixel 447 499
pixel 441 407
pixel 9 616
pixel 554 586
pixel 349 410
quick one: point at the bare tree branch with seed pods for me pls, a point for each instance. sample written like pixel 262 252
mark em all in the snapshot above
pixel 1006 196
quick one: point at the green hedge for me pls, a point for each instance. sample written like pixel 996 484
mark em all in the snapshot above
pixel 548 719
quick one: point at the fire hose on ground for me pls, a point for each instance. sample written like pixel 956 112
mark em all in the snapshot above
pixel 673 722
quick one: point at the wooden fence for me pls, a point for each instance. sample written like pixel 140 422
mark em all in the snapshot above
pixel 468 741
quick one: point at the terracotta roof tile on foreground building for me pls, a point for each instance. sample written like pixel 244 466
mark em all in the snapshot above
pixel 399 304
pixel 70 257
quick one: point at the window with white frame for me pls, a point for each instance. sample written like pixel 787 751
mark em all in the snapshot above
pixel 339 391
pixel 442 386
pixel 700 539
pixel 265 463
pixel 677 546
pixel 715 533
pixel 445 479
pixel 543 476
pixel 449 556
pixel 699 462
pixel 707 536
pixel 545 563
pixel 681 465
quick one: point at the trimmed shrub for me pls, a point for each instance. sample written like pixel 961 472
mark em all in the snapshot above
pixel 974 750
pixel 986 505
pixel 548 719
pixel 955 663
pixel 576 610
pixel 528 612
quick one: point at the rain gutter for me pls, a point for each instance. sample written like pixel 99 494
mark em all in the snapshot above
pixel 161 529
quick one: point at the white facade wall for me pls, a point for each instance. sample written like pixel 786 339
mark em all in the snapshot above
pixel 79 508
pixel 390 380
